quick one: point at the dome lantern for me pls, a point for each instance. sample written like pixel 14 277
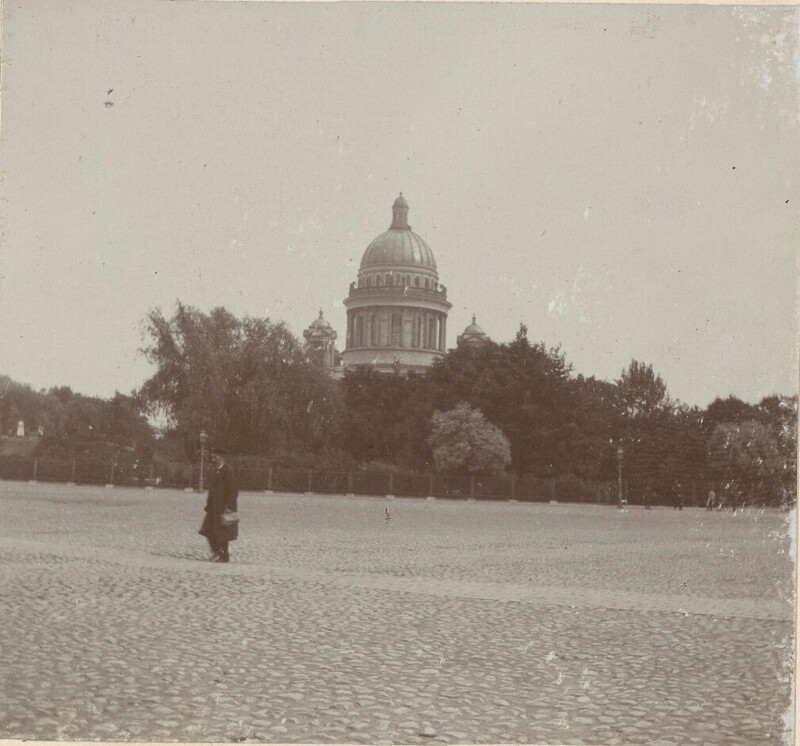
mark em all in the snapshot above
pixel 400 214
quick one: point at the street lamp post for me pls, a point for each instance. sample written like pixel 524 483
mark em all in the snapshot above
pixel 203 441
pixel 620 453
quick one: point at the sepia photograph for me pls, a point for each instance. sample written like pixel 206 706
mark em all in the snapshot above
pixel 464 334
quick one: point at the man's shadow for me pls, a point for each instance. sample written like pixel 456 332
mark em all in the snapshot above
pixel 194 555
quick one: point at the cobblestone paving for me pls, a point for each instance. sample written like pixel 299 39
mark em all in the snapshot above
pixel 452 623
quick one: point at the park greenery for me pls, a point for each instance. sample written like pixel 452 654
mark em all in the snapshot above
pixel 462 440
pixel 72 424
pixel 517 408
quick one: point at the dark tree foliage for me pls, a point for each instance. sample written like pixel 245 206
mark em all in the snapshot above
pixel 648 432
pixel 251 385
pixel 746 462
pixel 124 425
pixel 599 422
pixel 522 388
pixel 72 423
pixel 385 418
pixel 729 410
pixel 743 431
pixel 556 424
pixel 642 393
pixel 779 416
pixel 680 470
pixel 248 383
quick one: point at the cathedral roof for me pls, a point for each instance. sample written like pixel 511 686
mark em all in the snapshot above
pixel 399 246
pixel 319 322
pixel 473 328
pixel 473 336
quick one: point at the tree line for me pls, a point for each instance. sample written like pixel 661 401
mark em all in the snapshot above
pixel 72 424
pixel 518 408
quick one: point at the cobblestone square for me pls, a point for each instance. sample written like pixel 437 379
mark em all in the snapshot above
pixel 448 622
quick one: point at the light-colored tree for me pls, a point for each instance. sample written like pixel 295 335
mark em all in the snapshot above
pixel 463 441
pixel 745 460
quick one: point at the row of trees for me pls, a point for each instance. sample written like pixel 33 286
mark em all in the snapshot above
pixel 558 424
pixel 518 406
pixel 247 382
pixel 73 424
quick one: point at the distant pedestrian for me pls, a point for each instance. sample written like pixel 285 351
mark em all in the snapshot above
pixel 387 516
pixel 712 500
pixel 648 494
pixel 221 522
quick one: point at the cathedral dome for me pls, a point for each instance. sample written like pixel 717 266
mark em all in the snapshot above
pixel 473 336
pixel 473 328
pixel 397 309
pixel 399 246
pixel 319 322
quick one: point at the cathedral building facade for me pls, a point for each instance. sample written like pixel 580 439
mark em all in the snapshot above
pixel 396 309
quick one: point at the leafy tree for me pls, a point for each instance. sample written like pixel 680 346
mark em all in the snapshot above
pixel 72 423
pixel 385 417
pixel 679 449
pixel 647 430
pixel 642 393
pixel 524 389
pixel 729 410
pixel 746 461
pixel 125 427
pixel 597 417
pixel 247 382
pixel 779 416
pixel 463 441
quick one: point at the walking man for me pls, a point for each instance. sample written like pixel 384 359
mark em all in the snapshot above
pixel 221 522
pixel 712 500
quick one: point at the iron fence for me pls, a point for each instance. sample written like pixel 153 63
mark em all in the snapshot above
pixel 277 479
pixel 268 478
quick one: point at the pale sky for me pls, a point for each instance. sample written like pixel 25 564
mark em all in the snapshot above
pixel 622 179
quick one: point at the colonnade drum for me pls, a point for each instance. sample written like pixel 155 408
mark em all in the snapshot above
pixel 399 329
pixel 397 310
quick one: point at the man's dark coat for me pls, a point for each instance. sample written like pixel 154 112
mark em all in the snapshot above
pixel 222 496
